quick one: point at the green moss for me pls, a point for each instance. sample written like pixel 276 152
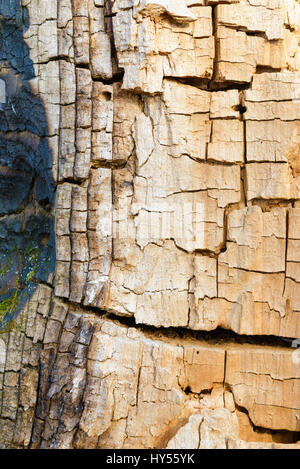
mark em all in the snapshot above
pixel 6 267
pixel 8 306
pixel 22 283
pixel 31 253
pixel 12 326
pixel 31 275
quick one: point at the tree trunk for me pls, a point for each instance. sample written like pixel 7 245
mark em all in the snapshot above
pixel 150 224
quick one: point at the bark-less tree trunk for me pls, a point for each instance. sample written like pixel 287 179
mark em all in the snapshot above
pixel 150 223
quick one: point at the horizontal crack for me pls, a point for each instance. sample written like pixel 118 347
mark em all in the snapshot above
pixel 216 336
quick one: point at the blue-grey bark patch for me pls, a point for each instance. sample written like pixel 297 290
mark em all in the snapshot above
pixel 27 189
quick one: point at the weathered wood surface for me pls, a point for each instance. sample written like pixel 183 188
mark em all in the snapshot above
pixel 173 127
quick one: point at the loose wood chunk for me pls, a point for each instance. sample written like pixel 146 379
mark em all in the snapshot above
pixel 227 141
pixel 264 381
pixel 176 44
pixel 100 232
pixel 271 181
pixel 273 125
pixel 101 64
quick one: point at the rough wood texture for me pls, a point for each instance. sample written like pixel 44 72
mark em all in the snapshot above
pixel 171 131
